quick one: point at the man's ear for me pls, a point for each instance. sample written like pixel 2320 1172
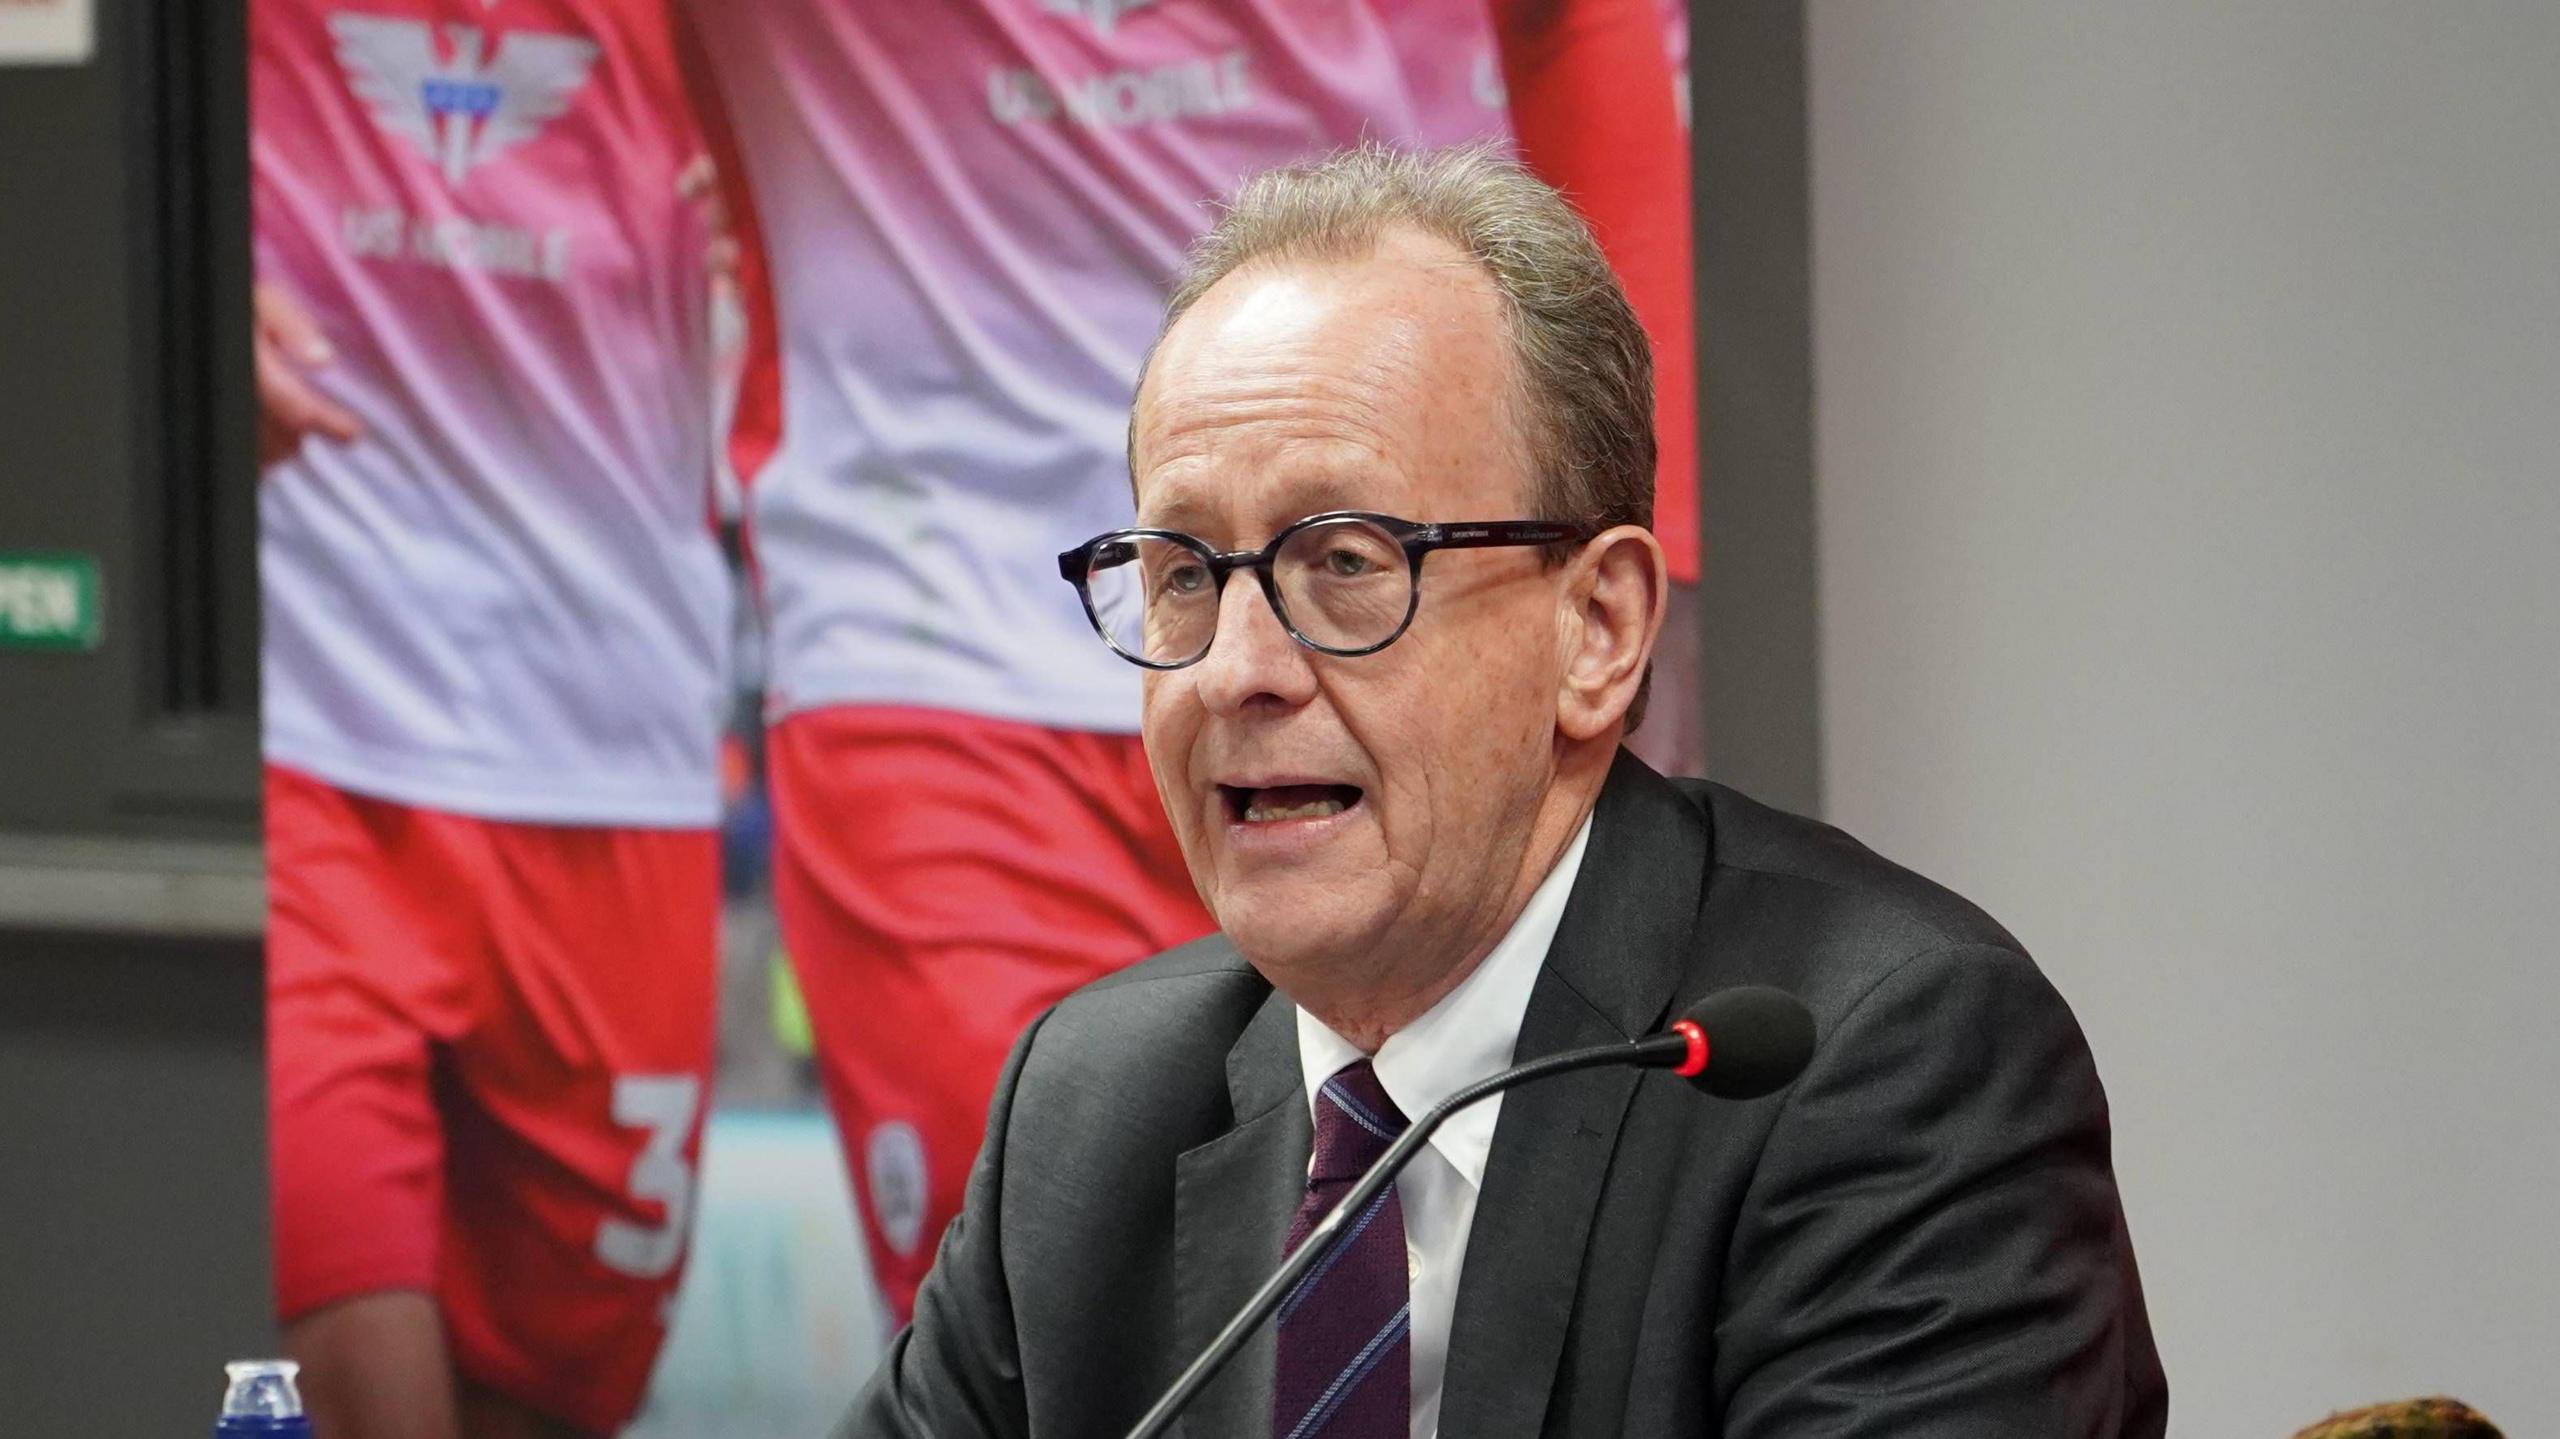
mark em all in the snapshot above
pixel 1614 592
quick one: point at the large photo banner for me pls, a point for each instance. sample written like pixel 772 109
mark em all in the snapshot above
pixel 686 774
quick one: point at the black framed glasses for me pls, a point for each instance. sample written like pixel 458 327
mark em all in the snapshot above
pixel 1345 582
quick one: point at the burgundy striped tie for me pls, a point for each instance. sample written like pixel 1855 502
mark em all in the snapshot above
pixel 1346 1346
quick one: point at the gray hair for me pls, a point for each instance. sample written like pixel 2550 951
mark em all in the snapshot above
pixel 1579 358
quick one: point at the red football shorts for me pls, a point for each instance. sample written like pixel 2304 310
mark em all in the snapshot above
pixel 488 1050
pixel 940 880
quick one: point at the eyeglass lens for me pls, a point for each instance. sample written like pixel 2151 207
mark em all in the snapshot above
pixel 1343 585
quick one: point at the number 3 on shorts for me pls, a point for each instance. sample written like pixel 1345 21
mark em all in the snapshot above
pixel 663 1105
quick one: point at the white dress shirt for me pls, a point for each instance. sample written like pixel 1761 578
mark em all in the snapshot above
pixel 1469 1034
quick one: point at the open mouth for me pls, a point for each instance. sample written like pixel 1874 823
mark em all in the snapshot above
pixel 1275 803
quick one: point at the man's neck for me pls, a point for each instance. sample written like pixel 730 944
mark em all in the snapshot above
pixel 1369 1021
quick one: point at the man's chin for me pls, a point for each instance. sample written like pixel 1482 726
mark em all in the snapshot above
pixel 1292 929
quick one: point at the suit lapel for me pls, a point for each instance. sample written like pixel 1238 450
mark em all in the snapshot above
pixel 1617 956
pixel 1233 1198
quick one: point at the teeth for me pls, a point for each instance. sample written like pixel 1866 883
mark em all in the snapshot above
pixel 1258 813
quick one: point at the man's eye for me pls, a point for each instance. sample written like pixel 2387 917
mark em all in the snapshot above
pixel 1348 564
pixel 1186 579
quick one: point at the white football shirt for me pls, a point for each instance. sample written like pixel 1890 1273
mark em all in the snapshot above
pixel 506 600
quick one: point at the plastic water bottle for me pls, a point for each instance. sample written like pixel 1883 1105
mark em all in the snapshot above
pixel 262 1401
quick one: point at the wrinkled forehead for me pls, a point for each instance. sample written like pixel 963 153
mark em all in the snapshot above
pixel 1380 382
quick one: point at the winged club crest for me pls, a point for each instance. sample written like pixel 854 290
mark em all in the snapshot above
pixel 465 106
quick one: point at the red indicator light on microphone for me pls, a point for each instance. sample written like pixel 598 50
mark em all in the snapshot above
pixel 1695 1062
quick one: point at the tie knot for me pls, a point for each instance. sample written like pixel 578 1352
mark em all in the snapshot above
pixel 1355 1122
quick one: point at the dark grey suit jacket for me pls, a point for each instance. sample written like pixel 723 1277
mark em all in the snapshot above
pixel 1920 1237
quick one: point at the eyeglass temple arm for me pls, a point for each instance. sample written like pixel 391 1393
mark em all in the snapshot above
pixel 1500 532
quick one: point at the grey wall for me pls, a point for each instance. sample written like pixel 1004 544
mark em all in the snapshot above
pixel 133 1180
pixel 2187 383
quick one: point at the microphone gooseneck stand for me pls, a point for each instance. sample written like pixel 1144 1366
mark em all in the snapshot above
pixel 1652 1052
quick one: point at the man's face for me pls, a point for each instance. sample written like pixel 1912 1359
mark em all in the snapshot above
pixel 1344 818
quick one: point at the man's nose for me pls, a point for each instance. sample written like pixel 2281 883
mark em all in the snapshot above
pixel 1252 661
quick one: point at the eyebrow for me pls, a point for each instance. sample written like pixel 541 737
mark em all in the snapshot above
pixel 1170 517
pixel 1332 490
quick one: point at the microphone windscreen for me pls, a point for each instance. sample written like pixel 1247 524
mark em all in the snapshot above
pixel 1758 1040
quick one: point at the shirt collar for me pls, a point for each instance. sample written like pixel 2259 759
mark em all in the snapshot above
pixel 1469 1034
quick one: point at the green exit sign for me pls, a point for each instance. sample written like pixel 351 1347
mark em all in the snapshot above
pixel 49 600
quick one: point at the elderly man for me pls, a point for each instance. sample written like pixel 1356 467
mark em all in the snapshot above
pixel 1397 780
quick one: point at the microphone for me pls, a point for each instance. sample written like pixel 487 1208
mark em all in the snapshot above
pixel 1738 1043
